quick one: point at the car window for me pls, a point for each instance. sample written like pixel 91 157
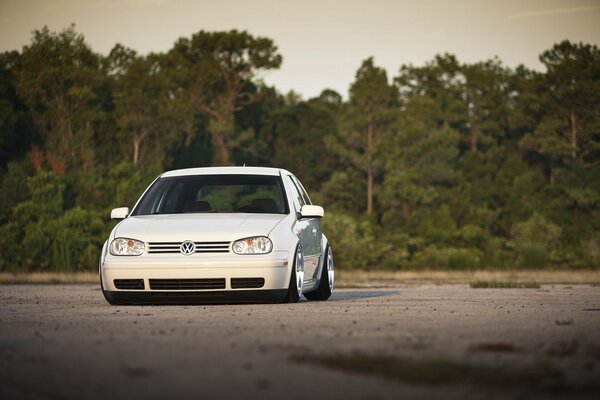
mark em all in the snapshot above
pixel 234 197
pixel 296 196
pixel 214 193
pixel 302 191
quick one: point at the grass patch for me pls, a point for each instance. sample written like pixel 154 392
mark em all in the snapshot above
pixel 503 285
pixel 386 279
pixel 432 372
pixel 48 277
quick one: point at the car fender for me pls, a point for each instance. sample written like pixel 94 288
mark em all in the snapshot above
pixel 284 239
pixel 101 261
pixel 324 244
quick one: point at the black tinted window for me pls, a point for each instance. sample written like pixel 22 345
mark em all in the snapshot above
pixel 214 193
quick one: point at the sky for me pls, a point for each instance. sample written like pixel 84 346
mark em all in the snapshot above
pixel 323 42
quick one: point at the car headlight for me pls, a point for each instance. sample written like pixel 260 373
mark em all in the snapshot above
pixel 126 247
pixel 253 245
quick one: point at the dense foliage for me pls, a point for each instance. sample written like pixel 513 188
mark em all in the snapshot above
pixel 445 165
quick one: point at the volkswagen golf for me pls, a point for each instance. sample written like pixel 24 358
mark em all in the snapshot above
pixel 218 235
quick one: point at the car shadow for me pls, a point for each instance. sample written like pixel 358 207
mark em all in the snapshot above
pixel 361 294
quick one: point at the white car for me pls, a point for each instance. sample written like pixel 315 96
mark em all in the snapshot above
pixel 221 234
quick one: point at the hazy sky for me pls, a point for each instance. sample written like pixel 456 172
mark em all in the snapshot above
pixel 322 42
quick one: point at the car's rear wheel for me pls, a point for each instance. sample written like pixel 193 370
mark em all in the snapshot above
pixel 325 288
pixel 296 278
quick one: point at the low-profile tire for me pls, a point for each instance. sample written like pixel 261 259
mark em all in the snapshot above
pixel 296 278
pixel 325 288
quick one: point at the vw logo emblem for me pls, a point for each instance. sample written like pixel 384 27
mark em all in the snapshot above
pixel 188 247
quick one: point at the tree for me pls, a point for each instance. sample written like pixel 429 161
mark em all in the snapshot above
pixel 458 165
pixel 441 80
pixel 13 190
pixel 566 133
pixel 16 131
pixel 366 117
pixel 485 93
pixel 58 80
pixel 146 109
pixel 419 165
pixel 573 94
pixel 217 71
pixel 297 134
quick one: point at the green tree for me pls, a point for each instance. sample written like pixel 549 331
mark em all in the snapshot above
pixel 486 92
pixel 419 168
pixel 364 122
pixel 569 92
pixel 149 116
pixel 57 80
pixel 13 191
pixel 441 80
pixel 217 70
pixel 573 94
pixel 297 138
pixel 30 218
pixel 16 130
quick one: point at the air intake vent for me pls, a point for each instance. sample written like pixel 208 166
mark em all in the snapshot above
pixel 187 284
pixel 200 247
pixel 129 284
pixel 247 283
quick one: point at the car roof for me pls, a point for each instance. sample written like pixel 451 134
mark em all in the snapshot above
pixel 225 171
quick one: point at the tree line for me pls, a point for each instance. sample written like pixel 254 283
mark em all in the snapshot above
pixel 444 165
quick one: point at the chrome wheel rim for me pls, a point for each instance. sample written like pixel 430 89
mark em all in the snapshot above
pixel 330 272
pixel 299 271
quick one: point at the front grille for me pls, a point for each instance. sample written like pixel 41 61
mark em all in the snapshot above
pixel 129 284
pixel 247 283
pixel 187 284
pixel 201 247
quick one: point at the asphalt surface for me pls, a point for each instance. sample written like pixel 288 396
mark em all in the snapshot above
pixel 426 341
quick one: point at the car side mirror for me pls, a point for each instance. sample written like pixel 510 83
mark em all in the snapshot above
pixel 310 211
pixel 119 213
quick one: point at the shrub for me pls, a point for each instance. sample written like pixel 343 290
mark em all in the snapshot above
pixel 461 259
pixel 473 236
pixel 592 252
pixel 11 255
pixel 429 257
pixel 77 239
pixel 536 229
pixel 533 255
pixel 352 241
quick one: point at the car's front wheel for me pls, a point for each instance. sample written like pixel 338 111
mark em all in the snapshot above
pixel 296 278
pixel 325 288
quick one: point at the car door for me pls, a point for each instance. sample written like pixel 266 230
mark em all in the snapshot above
pixel 311 233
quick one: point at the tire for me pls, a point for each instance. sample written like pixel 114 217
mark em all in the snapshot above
pixel 296 278
pixel 325 288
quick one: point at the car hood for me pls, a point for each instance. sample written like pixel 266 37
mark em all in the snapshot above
pixel 197 227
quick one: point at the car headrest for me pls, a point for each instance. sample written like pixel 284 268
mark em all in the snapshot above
pixel 196 206
pixel 265 205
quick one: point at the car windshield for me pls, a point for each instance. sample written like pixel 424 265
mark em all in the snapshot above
pixel 214 194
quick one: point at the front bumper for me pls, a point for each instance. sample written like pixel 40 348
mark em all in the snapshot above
pixel 191 297
pixel 273 268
